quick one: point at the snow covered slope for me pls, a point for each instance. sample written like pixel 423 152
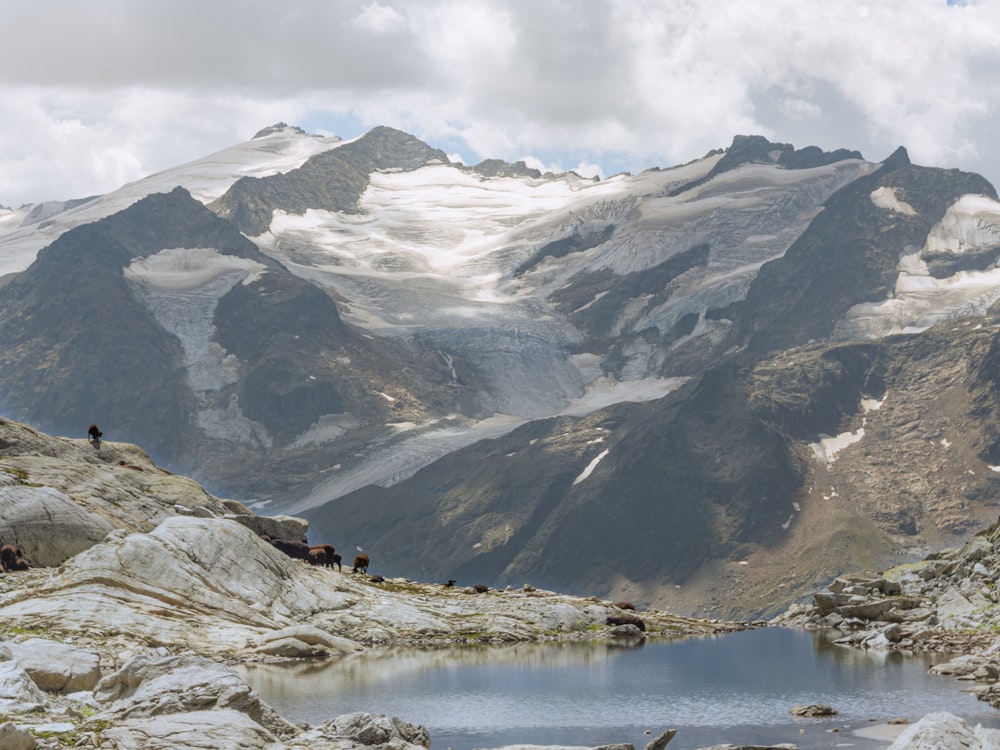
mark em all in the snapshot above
pixel 279 148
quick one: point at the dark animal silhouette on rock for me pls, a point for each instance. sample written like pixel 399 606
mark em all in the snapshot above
pixel 360 563
pixel 94 435
pixel 325 555
pixel 296 550
pixel 12 558
pixel 627 620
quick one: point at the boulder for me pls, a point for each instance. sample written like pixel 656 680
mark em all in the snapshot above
pixel 313 636
pixel 291 648
pixel 13 737
pixel 952 606
pixel 18 693
pixel 661 741
pixel 50 526
pixel 372 730
pixel 945 731
pixel 813 710
pixel 220 728
pixel 148 687
pixel 57 667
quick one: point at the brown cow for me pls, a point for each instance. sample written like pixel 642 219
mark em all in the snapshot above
pixel 297 550
pixel 360 563
pixel 323 554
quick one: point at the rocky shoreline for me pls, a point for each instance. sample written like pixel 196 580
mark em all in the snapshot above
pixel 146 591
pixel 69 679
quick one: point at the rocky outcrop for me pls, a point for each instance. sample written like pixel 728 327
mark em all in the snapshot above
pixel 147 687
pixel 57 667
pixel 213 586
pixel 59 496
pixel 945 731
pixel 171 702
pixel 946 602
pixel 18 692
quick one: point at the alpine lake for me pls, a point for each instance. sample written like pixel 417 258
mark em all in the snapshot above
pixel 737 688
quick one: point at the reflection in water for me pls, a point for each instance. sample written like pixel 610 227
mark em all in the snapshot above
pixel 734 688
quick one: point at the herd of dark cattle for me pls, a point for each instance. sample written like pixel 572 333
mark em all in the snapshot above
pixel 316 554
pixel 12 558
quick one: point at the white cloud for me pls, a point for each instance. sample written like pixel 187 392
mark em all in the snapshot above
pixel 96 93
pixel 379 19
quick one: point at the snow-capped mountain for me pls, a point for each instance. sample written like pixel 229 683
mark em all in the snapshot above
pixel 308 323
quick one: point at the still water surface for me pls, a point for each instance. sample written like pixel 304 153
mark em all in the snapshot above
pixel 736 688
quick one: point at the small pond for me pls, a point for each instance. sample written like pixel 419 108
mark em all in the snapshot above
pixel 736 688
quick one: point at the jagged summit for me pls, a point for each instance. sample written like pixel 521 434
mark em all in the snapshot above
pixel 898 158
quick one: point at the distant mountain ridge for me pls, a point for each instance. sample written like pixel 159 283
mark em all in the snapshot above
pixel 619 385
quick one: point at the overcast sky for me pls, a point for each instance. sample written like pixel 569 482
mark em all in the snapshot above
pixel 96 93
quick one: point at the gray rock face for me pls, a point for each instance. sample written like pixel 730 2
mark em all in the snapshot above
pixel 225 729
pixel 48 525
pixel 18 692
pixel 57 667
pixel 149 687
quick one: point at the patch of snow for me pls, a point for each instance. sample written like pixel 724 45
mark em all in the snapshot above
pixel 328 427
pixel 871 404
pixel 185 269
pixel 886 197
pixel 402 426
pixel 826 448
pixel 591 466
pixel 919 301
pixel 607 390
pixel 596 297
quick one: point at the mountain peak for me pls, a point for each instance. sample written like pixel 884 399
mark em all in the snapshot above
pixel 898 158
pixel 278 127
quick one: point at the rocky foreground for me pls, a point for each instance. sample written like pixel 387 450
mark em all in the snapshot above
pixel 145 591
